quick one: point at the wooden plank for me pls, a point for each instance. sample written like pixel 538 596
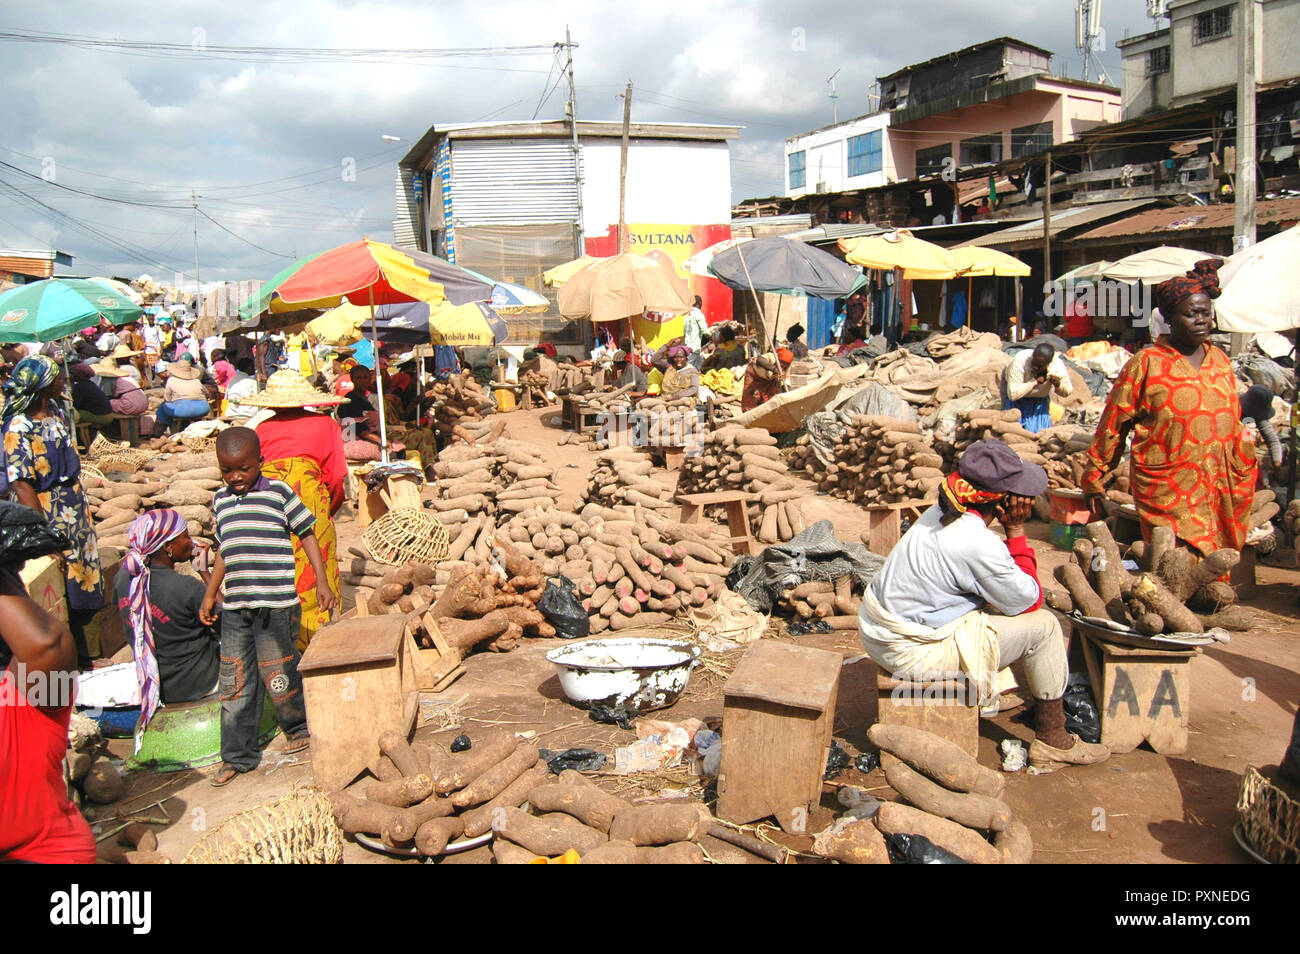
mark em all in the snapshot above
pixel 787 675
pixel 1135 171
pixel 716 497
pixel 354 641
pixel 1136 192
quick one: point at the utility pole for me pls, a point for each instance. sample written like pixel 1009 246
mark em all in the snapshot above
pixel 572 109
pixel 1243 230
pixel 198 289
pixel 622 170
pixel 1047 225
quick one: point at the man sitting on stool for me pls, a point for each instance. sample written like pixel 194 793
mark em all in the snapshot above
pixel 954 601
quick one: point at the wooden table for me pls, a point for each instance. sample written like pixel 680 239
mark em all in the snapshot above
pixel 736 502
pixel 578 416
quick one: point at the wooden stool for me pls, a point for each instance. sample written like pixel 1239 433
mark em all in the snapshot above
pixel 885 523
pixel 1143 695
pixel 778 714
pixel 355 681
pixel 577 416
pixel 940 707
pixel 85 435
pixel 737 514
pixel 130 428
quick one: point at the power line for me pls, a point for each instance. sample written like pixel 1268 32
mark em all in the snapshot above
pixel 240 237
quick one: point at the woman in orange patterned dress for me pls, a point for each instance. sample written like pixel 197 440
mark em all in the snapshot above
pixel 1193 463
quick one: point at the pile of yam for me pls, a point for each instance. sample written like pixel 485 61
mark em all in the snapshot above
pixel 115 503
pixel 494 476
pixel 457 401
pixel 1063 441
pixel 734 458
pixel 622 478
pixel 984 424
pixel 427 797
pixel 1174 591
pixel 877 460
pixel 948 798
pixel 836 603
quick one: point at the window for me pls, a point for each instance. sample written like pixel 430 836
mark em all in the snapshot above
pixel 981 149
pixel 865 154
pixel 1213 24
pixel 933 161
pixel 1027 140
pixel 1158 60
pixel 798 169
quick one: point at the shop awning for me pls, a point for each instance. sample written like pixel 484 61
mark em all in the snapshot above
pixel 1070 217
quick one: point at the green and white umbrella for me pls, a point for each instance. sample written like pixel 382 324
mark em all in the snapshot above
pixel 58 307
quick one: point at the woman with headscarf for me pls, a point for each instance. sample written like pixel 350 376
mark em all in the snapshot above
pixel 42 471
pixel 681 379
pixel 304 448
pixel 177 657
pixel 1193 463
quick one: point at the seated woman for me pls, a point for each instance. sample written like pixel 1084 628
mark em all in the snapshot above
pixel 184 396
pixel 176 656
pixel 88 399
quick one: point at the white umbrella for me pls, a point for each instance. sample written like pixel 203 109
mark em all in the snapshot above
pixel 1154 265
pixel 1261 290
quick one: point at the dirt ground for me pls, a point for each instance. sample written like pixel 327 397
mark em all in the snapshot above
pixel 1138 807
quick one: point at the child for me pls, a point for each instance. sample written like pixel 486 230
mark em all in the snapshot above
pixel 260 613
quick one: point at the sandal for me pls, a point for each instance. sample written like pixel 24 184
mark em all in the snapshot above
pixel 296 744
pixel 224 776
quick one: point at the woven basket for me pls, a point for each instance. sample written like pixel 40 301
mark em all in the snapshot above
pixel 407 535
pixel 92 476
pixel 1270 819
pixel 298 829
pixel 199 445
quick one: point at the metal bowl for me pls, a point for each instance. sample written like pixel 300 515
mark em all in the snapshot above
pixel 636 673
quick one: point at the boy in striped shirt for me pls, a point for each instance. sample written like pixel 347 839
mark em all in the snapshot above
pixel 260 611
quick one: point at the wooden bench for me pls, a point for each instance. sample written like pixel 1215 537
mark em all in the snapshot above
pixel 578 416
pixel 939 707
pixel 885 523
pixel 736 502
pixel 130 427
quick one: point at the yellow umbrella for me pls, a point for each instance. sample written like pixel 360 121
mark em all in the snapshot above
pixel 977 262
pixel 902 250
pixel 560 274
pixel 439 323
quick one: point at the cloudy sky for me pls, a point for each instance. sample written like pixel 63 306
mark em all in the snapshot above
pixel 102 147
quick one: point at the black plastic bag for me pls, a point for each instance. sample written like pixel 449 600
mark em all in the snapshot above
pixel 580 760
pixel 563 610
pixel 867 762
pixel 837 760
pixel 1081 715
pixel 461 744
pixel 818 626
pixel 739 570
pixel 25 534
pixel 618 715
pixel 918 850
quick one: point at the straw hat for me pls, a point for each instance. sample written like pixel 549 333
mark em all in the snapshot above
pixel 107 368
pixel 184 370
pixel 122 352
pixel 289 389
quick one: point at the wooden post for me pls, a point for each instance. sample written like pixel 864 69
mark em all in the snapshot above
pixel 1047 225
pixel 622 170
pixel 379 382
pixel 1243 231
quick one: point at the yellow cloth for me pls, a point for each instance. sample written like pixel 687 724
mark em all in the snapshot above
pixel 722 381
pixel 654 381
pixel 968 644
pixel 304 476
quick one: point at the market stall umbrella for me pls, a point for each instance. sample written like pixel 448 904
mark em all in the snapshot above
pixel 557 276
pixel 413 323
pixel 1261 290
pixel 914 257
pixel 698 264
pixel 509 298
pixel 366 272
pixel 363 272
pixel 974 261
pixel 57 307
pixel 1084 273
pixel 1154 265
pixel 618 287
pixel 122 288
pixel 787 267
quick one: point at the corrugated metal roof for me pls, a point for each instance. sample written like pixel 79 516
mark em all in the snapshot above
pixel 1195 218
pixel 406 218
pixel 512 182
pixel 1067 218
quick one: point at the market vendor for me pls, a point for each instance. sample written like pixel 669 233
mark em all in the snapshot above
pixel 763 378
pixel 627 374
pixel 794 341
pixel 88 399
pixel 955 600
pixel 728 350
pixel 1030 380
pixel 127 400
pixel 1192 463
pixel 681 379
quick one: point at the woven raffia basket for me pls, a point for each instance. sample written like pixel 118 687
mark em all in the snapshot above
pixel 1270 819
pixel 92 476
pixel 199 445
pixel 407 535
pixel 298 829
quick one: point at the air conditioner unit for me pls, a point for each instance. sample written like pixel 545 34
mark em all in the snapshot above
pixel 823 187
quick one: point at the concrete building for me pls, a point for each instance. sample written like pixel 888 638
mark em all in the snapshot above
pixel 1196 56
pixel 989 102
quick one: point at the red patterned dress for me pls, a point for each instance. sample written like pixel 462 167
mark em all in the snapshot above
pixel 1193 464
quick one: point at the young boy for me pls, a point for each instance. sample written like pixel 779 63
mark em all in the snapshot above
pixel 260 613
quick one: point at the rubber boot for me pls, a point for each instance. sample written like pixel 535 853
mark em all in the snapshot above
pixel 1053 746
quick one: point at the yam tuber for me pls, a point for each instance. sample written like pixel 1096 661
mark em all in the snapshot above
pixel 661 824
pixel 549 835
pixel 968 845
pixel 936 758
pixel 590 805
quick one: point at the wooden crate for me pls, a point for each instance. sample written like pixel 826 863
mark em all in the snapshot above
pixel 778 714
pixel 47 584
pixel 937 707
pixel 885 523
pixel 356 683
pixel 737 503
pixel 1143 695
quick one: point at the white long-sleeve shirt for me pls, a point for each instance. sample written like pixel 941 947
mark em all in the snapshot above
pixel 1021 382
pixel 937 573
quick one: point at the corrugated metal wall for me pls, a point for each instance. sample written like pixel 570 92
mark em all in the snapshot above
pixel 406 219
pixel 512 182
